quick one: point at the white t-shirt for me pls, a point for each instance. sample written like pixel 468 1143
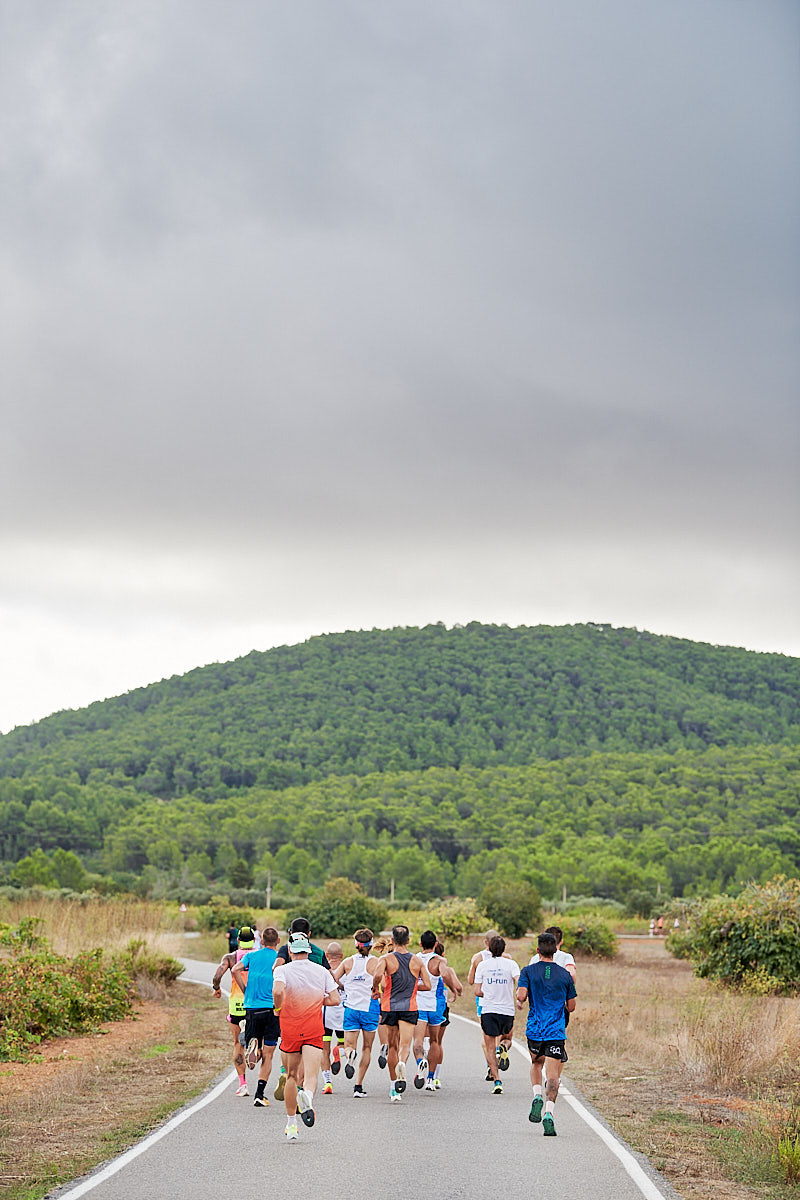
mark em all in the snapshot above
pixel 497 977
pixel 561 958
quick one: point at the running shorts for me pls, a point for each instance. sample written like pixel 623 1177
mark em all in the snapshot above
pixel 364 1019
pixel 263 1025
pixel 394 1018
pixel 329 1034
pixel 548 1049
pixel 496 1024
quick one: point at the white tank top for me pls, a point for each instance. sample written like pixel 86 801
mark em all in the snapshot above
pixel 358 984
pixel 426 1001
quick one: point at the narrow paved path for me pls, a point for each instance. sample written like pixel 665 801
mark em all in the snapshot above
pixel 458 1142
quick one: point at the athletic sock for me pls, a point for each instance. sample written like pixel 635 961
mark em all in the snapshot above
pixel 326 1076
pixel 260 1086
pixel 537 1089
pixel 242 1080
pixel 431 1075
pixel 549 1107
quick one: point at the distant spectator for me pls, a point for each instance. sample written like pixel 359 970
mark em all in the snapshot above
pixel 660 926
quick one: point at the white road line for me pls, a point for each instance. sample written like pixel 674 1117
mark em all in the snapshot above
pixel 639 1176
pixel 94 1180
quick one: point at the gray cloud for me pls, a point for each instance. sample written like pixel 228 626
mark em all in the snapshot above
pixel 343 289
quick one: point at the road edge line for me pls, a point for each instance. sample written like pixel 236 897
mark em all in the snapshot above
pixel 633 1168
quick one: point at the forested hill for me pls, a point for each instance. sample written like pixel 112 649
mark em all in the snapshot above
pixel 409 699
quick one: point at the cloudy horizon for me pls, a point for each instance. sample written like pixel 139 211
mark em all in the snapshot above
pixel 325 317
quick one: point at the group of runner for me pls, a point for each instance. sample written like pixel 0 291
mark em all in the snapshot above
pixel 318 1005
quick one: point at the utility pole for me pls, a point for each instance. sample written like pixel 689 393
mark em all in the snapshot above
pixel 391 893
pixel 269 889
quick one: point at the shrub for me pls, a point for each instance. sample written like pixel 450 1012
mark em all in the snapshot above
pixel 340 907
pixel 143 962
pixel 218 914
pixel 454 919
pixel 513 907
pixel 591 937
pixel 640 903
pixel 751 941
pixel 43 994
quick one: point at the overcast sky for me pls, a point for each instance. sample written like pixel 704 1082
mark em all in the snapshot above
pixel 323 316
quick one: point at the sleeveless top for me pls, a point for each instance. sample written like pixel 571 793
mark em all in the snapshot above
pixel 400 989
pixel 358 984
pixel 427 1001
pixel 236 998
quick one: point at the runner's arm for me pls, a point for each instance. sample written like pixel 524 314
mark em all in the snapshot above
pixel 332 998
pixel 225 965
pixel 344 966
pixel 423 978
pixel 476 958
pixel 522 996
pixel 450 978
pixel 239 973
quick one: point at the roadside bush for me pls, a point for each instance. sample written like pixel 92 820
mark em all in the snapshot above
pixel 141 961
pixel 594 938
pixel 43 994
pixel 750 941
pixel 514 907
pixel 218 914
pixel 340 907
pixel 455 919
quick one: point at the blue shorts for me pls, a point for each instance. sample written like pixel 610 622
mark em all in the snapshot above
pixel 434 1017
pixel 357 1018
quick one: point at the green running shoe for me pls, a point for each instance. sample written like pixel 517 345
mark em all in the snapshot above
pixel 280 1087
pixel 548 1125
pixel 535 1115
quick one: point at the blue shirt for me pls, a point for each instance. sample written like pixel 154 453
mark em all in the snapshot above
pixel 259 964
pixel 549 987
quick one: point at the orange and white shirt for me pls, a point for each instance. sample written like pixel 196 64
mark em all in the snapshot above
pixel 307 984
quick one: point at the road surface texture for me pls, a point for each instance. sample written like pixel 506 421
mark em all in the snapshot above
pixel 458 1142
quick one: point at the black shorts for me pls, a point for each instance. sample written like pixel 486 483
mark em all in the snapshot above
pixel 394 1018
pixel 548 1049
pixel 330 1034
pixel 263 1025
pixel 496 1024
pixel 237 1018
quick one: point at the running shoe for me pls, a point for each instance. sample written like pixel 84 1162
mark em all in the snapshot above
pixel 422 1071
pixel 336 1061
pixel 280 1086
pixel 358 1091
pixel 349 1068
pixel 394 1095
pixel 400 1082
pixel 548 1125
pixel 497 1090
pixel 489 1075
pixel 383 1057
pixel 291 1132
pixel 503 1060
pixel 327 1089
pixel 242 1090
pixel 437 1083
pixel 251 1054
pixel 304 1107
pixel 260 1101
pixel 430 1085
pixel 535 1115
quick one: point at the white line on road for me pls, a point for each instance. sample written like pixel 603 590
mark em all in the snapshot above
pixel 632 1167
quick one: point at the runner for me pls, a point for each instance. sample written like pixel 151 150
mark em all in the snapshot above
pixel 431 1006
pixel 549 990
pixel 298 925
pixel 504 1042
pixel 561 957
pixel 262 1028
pixel 236 1013
pixel 441 1029
pixel 333 1021
pixel 401 974
pixel 300 989
pixel 362 1008
pixel 494 984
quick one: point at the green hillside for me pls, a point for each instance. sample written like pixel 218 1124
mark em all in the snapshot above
pixel 606 759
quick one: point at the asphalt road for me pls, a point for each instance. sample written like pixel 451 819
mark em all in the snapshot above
pixel 460 1141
